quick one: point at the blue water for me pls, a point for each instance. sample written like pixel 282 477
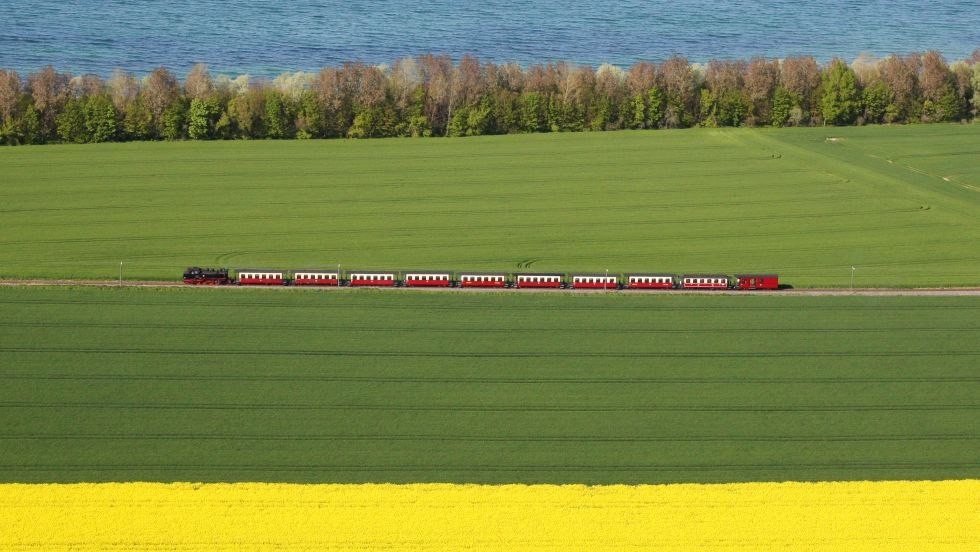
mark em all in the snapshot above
pixel 266 38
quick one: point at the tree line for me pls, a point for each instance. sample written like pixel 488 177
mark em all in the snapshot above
pixel 432 95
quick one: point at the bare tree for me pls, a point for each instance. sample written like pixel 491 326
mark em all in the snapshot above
pixel 10 90
pixel 725 76
pixel 404 80
pixel 682 84
pixel 866 68
pixel 328 89
pixel 962 72
pixel 160 90
pixel 198 84
pixel 511 77
pixel 123 88
pixel 538 78
pixel 900 76
pixel 801 76
pixel 581 86
pixel 229 87
pixel 372 86
pixel 471 82
pixel 642 77
pixel 563 81
pixel 292 85
pixel 86 85
pixel 50 92
pixel 48 88
pixel 610 82
pixel 935 77
pixel 761 80
pixel 437 74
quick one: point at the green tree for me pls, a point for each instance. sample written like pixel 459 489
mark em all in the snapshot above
pixel 224 129
pixel 173 121
pixel 202 117
pixel 655 107
pixel 975 84
pixel 602 114
pixel 675 114
pixel 417 124
pixel 709 109
pixel 876 98
pixel 783 103
pixel 245 112
pixel 841 100
pixel 419 127
pixel 311 116
pixel 71 122
pixel 506 112
pixel 479 120
pixel 457 125
pixel 365 124
pixel 948 108
pixel 30 124
pixel 389 122
pixel 278 116
pixel 529 109
pixel 733 107
pixel 555 115
pixel 10 132
pixel 138 122
pixel 100 118
pixel 637 112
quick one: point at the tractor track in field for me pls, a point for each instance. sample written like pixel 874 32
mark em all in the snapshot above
pixel 800 292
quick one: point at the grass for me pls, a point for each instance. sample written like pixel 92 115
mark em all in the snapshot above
pixel 901 204
pixel 103 384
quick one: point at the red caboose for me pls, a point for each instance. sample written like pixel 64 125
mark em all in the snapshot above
pixel 757 281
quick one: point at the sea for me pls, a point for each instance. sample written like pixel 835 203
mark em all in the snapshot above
pixel 267 38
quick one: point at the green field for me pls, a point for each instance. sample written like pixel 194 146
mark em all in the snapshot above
pixel 901 204
pixel 102 384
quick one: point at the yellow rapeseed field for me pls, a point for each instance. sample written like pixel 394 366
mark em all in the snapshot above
pixel 903 515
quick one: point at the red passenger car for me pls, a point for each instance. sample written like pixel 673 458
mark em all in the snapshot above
pixel 427 279
pixel 543 280
pixel 704 281
pixel 757 281
pixel 483 280
pixel 316 278
pixel 650 281
pixel 594 281
pixel 386 279
pixel 261 277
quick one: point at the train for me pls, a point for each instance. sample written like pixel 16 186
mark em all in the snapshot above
pixel 487 280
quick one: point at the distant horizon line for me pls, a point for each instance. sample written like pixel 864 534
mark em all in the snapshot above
pixel 865 56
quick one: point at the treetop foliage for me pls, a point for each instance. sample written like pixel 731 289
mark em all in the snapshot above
pixel 433 96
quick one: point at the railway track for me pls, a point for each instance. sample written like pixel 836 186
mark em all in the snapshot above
pixel 806 292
